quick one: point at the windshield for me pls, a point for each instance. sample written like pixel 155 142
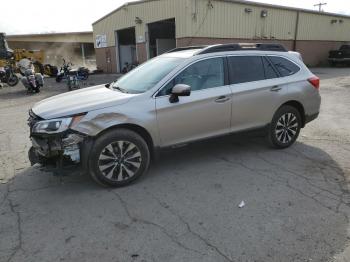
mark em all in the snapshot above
pixel 144 77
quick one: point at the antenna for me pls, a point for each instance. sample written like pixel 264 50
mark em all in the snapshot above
pixel 320 6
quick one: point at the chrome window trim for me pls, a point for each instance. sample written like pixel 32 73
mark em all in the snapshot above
pixel 183 69
pixel 266 56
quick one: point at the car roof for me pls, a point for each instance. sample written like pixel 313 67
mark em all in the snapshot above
pixel 181 54
pixel 234 49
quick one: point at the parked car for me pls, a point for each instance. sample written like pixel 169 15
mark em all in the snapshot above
pixel 186 95
pixel 340 57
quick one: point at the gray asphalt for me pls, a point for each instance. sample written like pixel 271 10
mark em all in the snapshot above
pixel 186 207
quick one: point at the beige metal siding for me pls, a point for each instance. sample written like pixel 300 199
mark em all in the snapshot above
pixel 148 11
pixel 225 20
pixel 319 27
pixel 229 20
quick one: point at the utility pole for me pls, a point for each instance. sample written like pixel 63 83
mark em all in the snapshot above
pixel 320 6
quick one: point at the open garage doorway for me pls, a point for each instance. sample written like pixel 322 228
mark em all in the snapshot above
pixel 126 48
pixel 161 37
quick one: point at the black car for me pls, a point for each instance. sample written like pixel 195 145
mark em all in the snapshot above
pixel 341 56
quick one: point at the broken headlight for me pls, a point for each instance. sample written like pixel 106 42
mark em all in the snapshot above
pixel 55 126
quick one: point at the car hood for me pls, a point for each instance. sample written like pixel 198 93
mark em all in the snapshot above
pixel 79 101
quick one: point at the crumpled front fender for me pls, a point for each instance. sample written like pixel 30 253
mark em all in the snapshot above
pixel 92 126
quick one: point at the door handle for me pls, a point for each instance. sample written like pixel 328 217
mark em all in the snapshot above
pixel 275 88
pixel 222 99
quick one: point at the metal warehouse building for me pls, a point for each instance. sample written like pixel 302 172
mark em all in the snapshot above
pixel 141 30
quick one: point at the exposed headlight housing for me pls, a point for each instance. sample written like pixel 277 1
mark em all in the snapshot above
pixel 55 126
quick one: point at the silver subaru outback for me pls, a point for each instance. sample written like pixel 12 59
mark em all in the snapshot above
pixel 188 94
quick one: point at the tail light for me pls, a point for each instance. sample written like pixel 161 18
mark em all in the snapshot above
pixel 315 82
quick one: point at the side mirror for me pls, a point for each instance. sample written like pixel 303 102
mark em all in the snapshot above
pixel 108 85
pixel 179 90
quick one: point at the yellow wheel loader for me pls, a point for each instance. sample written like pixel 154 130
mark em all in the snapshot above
pixel 20 58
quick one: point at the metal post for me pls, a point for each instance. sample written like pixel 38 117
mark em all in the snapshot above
pixel 83 53
pixel 320 6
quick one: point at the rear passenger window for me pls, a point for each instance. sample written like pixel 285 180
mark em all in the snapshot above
pixel 246 69
pixel 270 73
pixel 284 66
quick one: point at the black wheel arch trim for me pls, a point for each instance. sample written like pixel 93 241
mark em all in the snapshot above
pixel 88 144
pixel 309 118
pixel 299 106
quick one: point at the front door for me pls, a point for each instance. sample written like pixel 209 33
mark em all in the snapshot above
pixel 205 113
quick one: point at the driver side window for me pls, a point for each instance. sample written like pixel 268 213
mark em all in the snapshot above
pixel 201 75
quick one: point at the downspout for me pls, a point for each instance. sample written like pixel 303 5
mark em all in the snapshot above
pixel 194 10
pixel 83 53
pixel 296 32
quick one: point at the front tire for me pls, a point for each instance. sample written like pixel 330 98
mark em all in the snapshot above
pixel 285 127
pixel 84 76
pixel 13 80
pixel 118 158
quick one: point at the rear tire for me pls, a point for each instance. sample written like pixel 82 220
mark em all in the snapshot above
pixel 118 158
pixel 69 85
pixel 59 78
pixel 285 127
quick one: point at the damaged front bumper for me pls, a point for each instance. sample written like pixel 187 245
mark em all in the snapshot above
pixel 49 149
pixel 55 148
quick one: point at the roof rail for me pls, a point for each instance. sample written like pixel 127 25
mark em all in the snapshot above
pixel 187 48
pixel 243 46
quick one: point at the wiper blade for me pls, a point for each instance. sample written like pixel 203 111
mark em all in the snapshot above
pixel 120 89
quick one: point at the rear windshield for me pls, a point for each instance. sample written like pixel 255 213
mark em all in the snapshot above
pixel 345 47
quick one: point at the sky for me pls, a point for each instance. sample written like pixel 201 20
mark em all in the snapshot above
pixel 42 16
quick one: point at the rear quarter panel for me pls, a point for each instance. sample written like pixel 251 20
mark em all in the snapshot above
pixel 302 91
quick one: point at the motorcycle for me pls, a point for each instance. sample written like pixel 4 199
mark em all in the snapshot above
pixel 8 76
pixel 32 81
pixel 66 70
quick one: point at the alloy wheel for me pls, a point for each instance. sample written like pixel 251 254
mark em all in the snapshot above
pixel 120 161
pixel 286 128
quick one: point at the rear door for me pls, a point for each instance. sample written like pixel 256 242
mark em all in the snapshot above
pixel 206 112
pixel 257 91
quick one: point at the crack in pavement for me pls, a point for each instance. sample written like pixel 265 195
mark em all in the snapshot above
pixel 19 245
pixel 12 206
pixel 134 219
pixel 342 185
pixel 190 230
pixel 298 175
pixel 287 184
